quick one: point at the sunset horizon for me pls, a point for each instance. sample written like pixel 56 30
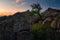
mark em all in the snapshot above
pixel 7 13
pixel 29 19
pixel 23 5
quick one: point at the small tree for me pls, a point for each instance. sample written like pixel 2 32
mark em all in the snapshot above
pixel 36 9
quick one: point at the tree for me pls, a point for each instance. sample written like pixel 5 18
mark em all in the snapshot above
pixel 36 9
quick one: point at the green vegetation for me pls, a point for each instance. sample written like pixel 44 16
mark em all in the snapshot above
pixel 36 10
pixel 42 31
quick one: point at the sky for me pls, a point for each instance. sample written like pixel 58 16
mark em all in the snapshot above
pixel 13 6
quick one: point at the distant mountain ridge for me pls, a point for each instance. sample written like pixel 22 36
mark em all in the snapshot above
pixel 51 12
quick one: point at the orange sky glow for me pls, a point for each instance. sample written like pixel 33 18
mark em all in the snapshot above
pixel 9 8
pixel 7 12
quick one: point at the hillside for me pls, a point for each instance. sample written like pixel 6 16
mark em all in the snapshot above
pixel 49 27
pixel 13 26
pixel 51 15
pixel 22 25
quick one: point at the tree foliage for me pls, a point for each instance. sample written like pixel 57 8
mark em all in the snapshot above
pixel 36 10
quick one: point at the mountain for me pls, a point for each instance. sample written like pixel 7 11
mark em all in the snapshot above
pixel 52 16
pixel 50 12
pixel 15 25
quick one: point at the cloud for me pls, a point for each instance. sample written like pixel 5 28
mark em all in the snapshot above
pixel 23 3
pixel 17 1
pixel 19 9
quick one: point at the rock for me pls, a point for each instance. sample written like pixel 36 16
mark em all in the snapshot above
pixel 10 28
pixel 25 35
pixel 56 23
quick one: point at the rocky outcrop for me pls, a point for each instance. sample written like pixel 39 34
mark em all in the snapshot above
pixel 13 26
pixel 50 12
pixel 21 21
pixel 52 16
pixel 56 23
